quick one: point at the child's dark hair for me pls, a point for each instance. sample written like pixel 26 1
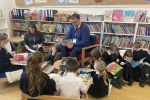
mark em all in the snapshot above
pixel 71 65
pixel 128 53
pixel 95 54
pixel 113 47
pixel 2 37
pixel 136 44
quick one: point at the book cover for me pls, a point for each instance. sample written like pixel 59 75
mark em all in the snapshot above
pixel 114 68
pixel 140 16
pixel 117 15
pixel 55 77
pixel 85 76
pixel 108 15
pixel 21 59
pixel 128 16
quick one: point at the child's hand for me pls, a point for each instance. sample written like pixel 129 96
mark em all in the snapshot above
pixel 90 81
pixel 88 67
pixel 143 63
pixel 122 63
pixel 107 70
pixel 117 60
pixel 12 62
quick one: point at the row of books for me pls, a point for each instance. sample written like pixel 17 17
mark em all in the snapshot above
pixel 123 42
pixel 47 15
pixel 94 27
pixel 17 13
pixel 144 44
pixel 118 29
pixel 145 31
pixel 125 16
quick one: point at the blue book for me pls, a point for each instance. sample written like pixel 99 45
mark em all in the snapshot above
pixel 40 15
pixel 136 63
pixel 147 31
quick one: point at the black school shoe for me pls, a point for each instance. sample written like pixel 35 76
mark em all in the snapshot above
pixel 115 84
pixel 147 80
pixel 141 83
pixel 130 82
pixel 119 81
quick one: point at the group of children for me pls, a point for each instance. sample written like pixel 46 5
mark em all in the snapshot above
pixel 34 82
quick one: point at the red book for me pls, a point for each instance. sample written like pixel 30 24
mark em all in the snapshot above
pixel 19 58
pixel 137 31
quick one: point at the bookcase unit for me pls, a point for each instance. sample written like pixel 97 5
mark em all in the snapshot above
pixel 101 33
pixel 4 26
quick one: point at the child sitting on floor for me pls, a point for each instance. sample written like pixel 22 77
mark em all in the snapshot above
pixel 138 54
pixel 146 64
pixel 33 81
pixel 71 85
pixel 8 46
pixel 99 88
pixel 109 57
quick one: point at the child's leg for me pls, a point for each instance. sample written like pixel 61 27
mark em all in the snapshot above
pixel 129 70
pixel 52 55
pixel 146 70
pixel 116 80
pixel 141 71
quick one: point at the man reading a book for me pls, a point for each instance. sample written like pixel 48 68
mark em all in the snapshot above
pixel 80 35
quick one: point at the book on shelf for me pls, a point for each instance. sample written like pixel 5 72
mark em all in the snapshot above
pixel 144 43
pixel 94 27
pixel 128 16
pixel 123 42
pixel 108 15
pixel 118 29
pixel 143 31
pixel 140 16
pixel 117 15
pixel 1 13
pixel 114 68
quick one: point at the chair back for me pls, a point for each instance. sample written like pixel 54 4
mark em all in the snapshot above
pixel 96 41
pixel 47 97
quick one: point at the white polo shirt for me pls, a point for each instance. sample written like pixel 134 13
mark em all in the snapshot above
pixel 70 85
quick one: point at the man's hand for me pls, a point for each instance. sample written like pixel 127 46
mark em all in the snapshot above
pixel 70 46
pixel 63 44
pixel 122 63
pixel 88 67
pixel 117 60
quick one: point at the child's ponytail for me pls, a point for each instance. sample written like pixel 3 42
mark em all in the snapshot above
pixel 101 66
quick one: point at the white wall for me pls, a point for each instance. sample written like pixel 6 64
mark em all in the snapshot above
pixel 6 6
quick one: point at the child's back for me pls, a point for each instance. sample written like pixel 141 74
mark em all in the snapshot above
pixel 70 85
pixel 99 88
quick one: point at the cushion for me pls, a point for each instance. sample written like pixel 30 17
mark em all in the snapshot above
pixel 87 54
pixel 2 75
pixel 92 38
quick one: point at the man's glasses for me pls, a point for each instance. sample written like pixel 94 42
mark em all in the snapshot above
pixel 74 22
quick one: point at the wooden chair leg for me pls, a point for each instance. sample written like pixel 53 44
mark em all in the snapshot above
pixel 82 64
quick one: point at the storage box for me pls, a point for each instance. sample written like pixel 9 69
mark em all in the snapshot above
pixel 60 30
pixel 34 16
pixel 64 17
pixel 45 48
pixel 18 25
pixel 27 17
pixel 57 17
pixel 45 27
pixel 66 30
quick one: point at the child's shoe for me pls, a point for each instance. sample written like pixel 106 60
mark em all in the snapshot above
pixel 141 83
pixel 130 82
pixel 119 81
pixel 115 84
pixel 147 80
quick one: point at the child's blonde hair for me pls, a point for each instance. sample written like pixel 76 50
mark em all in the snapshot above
pixel 95 54
pixel 101 66
pixel 137 44
pixel 113 47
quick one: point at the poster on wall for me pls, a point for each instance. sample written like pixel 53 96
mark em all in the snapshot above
pixel 73 1
pixel 61 1
pixel 40 1
pixel 27 2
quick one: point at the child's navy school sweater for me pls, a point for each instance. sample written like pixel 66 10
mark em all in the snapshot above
pixel 4 58
pixel 83 36
pixel 147 55
pixel 138 55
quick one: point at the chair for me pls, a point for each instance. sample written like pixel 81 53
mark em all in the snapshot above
pixel 85 56
pixel 49 97
pixel 3 78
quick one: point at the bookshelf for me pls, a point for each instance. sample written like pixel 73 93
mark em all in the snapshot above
pixel 4 26
pixel 101 31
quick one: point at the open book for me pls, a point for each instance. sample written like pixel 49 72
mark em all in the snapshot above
pixel 21 59
pixel 37 47
pixel 136 63
pixel 114 68
pixel 54 76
